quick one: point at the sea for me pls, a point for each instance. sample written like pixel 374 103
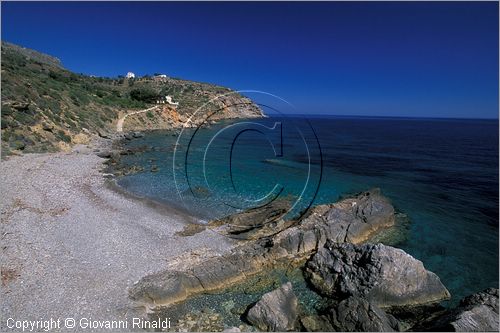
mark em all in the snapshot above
pixel 441 174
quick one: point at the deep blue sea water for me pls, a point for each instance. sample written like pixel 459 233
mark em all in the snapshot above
pixel 443 174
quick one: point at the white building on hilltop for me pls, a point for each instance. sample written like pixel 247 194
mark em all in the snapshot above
pixel 130 75
pixel 167 100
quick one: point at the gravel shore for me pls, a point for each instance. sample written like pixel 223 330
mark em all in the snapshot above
pixel 72 246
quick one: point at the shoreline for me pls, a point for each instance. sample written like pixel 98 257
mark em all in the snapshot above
pixel 74 242
pixel 159 206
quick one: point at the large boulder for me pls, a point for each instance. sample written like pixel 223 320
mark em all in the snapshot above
pixel 383 275
pixel 276 311
pixel 475 313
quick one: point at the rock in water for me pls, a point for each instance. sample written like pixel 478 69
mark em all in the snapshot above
pixel 255 223
pixel 383 275
pixel 276 311
pixel 475 313
pixel 355 220
pixel 358 315
pixel 274 243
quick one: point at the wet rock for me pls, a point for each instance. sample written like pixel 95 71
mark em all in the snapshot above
pixel 276 311
pixel 383 275
pixel 475 313
pixel 132 169
pixel 256 222
pixel 358 315
pixel 137 135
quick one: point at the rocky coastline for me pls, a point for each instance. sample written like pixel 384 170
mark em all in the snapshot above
pixel 363 285
pixel 370 286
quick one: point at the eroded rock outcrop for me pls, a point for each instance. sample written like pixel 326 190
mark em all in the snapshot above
pixel 383 275
pixel 276 311
pixel 355 219
pixel 475 313
pixel 367 213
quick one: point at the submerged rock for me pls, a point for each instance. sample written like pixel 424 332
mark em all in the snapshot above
pixel 475 313
pixel 276 311
pixel 383 275
pixel 206 320
pixel 316 323
pixel 256 222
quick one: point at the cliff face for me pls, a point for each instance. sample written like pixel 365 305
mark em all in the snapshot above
pixel 45 107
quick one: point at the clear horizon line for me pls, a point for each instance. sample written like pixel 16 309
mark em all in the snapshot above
pixel 372 116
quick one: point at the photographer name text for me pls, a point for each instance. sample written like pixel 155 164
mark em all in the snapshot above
pixel 84 324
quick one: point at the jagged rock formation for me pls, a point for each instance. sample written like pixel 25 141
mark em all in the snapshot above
pixel 355 219
pixel 276 311
pixel 385 276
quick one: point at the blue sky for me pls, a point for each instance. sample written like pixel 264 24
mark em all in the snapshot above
pixel 423 59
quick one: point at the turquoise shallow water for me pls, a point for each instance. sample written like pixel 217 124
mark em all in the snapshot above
pixel 443 174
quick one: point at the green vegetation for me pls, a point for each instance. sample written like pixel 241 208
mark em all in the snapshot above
pixel 43 104
pixel 146 95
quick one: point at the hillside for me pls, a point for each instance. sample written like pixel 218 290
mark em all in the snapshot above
pixel 46 107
